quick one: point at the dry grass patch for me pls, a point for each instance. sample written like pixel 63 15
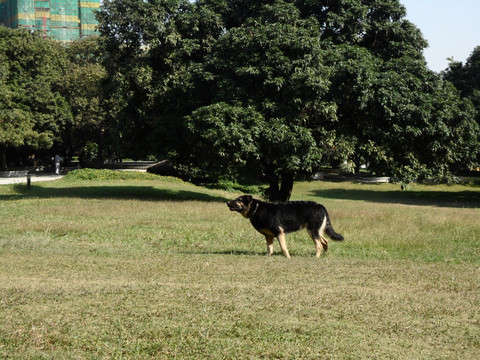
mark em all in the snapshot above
pixel 88 270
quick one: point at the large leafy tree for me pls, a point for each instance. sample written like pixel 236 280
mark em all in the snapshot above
pixel 274 88
pixel 466 78
pixel 261 80
pixel 418 126
pixel 16 122
pixel 31 109
pixel 268 116
pixel 394 114
pixel 401 118
pixel 82 86
pixel 151 50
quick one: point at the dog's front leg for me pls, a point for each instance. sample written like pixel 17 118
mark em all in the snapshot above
pixel 283 244
pixel 269 244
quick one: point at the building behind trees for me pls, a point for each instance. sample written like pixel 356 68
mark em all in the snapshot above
pixel 63 20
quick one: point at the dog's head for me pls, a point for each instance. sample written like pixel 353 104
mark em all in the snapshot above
pixel 241 204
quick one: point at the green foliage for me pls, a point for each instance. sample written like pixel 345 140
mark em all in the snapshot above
pixel 271 70
pixel 52 95
pixel 419 126
pixel 90 151
pixel 83 87
pixel 466 78
pixel 377 25
pixel 97 175
pixel 232 186
pixel 277 89
pixel 273 89
pixel 31 109
pixel 401 118
pixel 151 51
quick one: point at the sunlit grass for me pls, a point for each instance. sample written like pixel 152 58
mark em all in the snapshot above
pixel 162 269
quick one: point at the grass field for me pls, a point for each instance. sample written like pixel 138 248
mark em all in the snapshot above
pixel 161 269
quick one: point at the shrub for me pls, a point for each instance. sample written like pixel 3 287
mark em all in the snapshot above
pixel 97 174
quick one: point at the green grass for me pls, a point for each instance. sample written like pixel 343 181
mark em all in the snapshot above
pixel 158 268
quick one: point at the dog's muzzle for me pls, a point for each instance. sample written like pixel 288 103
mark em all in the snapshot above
pixel 233 206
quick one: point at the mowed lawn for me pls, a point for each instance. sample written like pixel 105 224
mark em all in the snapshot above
pixel 161 269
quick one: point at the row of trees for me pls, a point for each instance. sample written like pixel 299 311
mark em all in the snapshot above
pixel 259 89
pixel 50 96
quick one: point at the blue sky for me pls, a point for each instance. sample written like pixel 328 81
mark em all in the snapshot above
pixel 452 28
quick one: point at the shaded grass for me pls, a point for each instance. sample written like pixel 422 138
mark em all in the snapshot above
pixel 161 269
pixel 428 195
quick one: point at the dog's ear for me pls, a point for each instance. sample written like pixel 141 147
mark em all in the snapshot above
pixel 247 199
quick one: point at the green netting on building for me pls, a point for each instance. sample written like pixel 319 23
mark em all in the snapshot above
pixel 63 20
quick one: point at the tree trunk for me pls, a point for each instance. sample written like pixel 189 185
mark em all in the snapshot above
pixel 286 188
pixel 3 157
pixel 273 191
pixel 280 193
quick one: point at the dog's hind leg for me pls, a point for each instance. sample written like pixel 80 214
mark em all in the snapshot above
pixel 269 244
pixel 324 242
pixel 319 246
pixel 283 244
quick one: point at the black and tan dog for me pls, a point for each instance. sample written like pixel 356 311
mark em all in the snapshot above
pixel 276 220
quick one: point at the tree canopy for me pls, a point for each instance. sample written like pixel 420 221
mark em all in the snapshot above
pixel 274 89
pixel 83 88
pixel 466 78
pixel 268 115
pixel 31 109
pixel 270 90
pixel 51 96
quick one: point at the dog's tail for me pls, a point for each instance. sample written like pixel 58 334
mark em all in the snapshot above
pixel 331 233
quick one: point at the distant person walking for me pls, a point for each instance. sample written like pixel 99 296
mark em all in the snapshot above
pixel 58 159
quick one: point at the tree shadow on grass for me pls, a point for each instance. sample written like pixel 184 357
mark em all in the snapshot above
pixel 147 193
pixel 225 252
pixel 460 199
pixel 260 253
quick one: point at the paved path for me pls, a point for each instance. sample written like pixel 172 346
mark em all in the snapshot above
pixel 23 179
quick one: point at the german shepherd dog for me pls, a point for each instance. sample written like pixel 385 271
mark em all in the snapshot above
pixel 276 220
